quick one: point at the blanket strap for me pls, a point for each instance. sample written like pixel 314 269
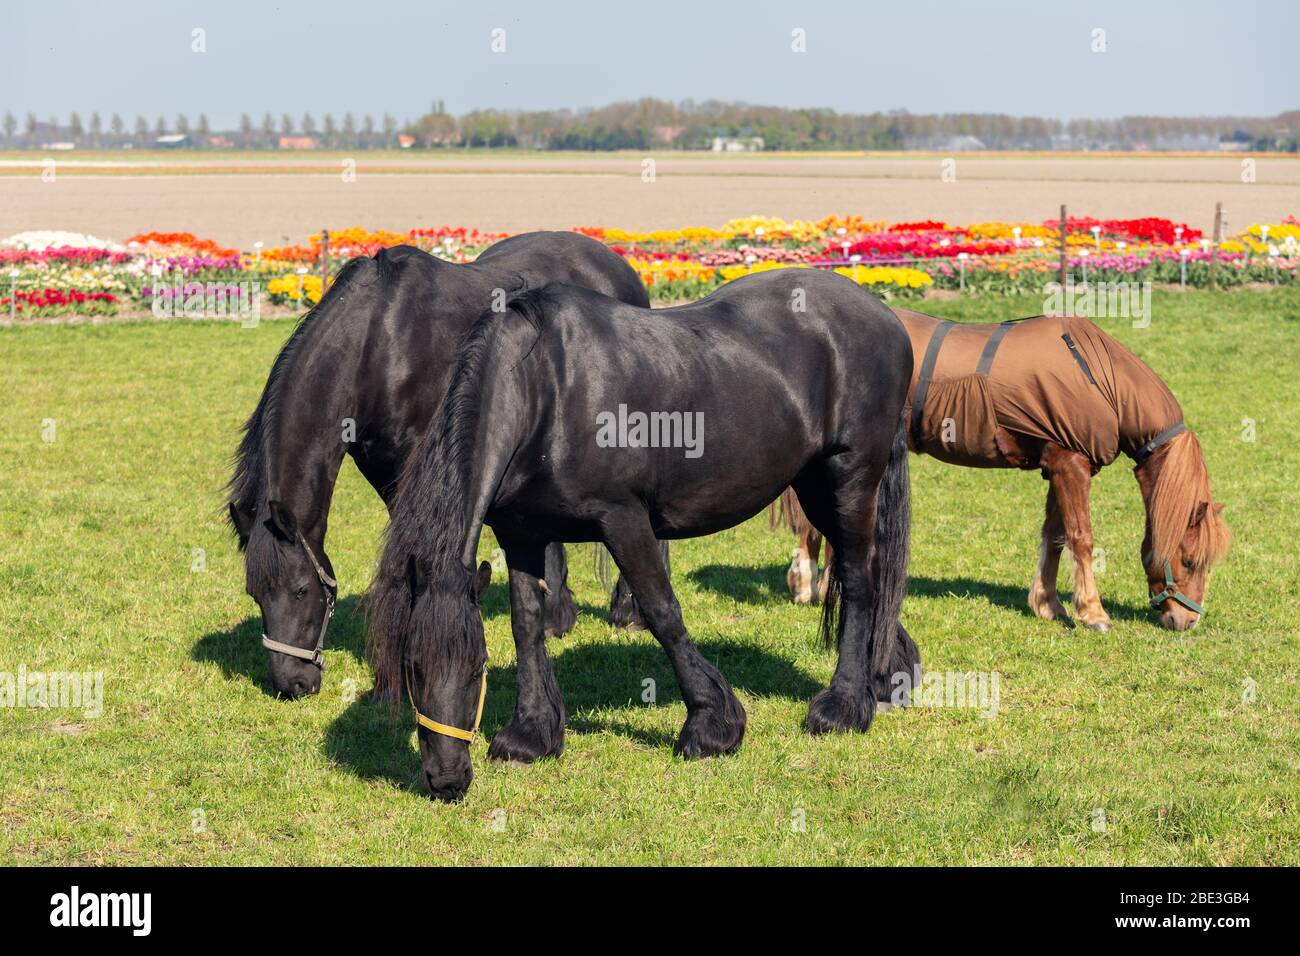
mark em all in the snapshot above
pixel 923 379
pixel 1143 452
pixel 991 347
pixel 1069 343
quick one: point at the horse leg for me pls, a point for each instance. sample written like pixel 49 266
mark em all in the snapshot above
pixel 561 612
pixel 715 719
pixel 1070 476
pixel 849 702
pixel 537 727
pixel 803 566
pixel 623 608
pixel 870 578
pixel 1043 599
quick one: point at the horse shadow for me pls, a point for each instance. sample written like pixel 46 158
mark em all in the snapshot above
pixel 753 585
pixel 600 683
pixel 239 653
pixel 1012 597
pixel 746 585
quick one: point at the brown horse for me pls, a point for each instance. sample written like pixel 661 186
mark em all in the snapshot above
pixel 1060 395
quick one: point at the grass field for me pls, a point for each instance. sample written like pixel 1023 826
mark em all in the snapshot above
pixel 1138 746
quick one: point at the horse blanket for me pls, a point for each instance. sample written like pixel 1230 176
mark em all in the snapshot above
pixel 1059 379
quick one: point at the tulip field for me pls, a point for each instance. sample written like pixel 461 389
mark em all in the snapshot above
pixel 61 274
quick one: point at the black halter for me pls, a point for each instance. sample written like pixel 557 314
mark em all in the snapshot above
pixel 317 654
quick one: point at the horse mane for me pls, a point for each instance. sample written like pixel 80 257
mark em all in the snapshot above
pixel 1181 486
pixel 430 522
pixel 248 483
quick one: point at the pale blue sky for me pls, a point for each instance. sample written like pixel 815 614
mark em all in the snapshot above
pixel 1008 56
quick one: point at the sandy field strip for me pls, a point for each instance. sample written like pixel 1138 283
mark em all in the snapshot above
pixel 276 200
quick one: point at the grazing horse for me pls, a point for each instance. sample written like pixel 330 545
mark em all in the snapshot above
pixel 574 417
pixel 1062 396
pixel 362 375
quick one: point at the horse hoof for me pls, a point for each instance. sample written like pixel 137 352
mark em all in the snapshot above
pixel 830 712
pixel 710 734
pixel 883 706
pixel 1049 609
pixel 525 742
pixel 1101 627
pixel 625 621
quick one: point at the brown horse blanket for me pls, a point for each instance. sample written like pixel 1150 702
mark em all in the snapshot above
pixel 1059 379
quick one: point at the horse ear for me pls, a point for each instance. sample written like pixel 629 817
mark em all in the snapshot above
pixel 282 520
pixel 241 521
pixel 417 581
pixel 1198 514
pixel 1218 507
pixel 481 580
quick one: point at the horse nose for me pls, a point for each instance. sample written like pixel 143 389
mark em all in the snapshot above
pixel 447 789
pixel 298 687
pixel 1179 621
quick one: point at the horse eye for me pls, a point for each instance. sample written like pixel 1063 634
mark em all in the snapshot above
pixel 1189 564
pixel 301 592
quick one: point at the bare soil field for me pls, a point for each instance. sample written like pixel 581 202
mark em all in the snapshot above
pixel 244 198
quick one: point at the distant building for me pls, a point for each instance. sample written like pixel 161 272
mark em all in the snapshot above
pixel 667 134
pixel 298 142
pixel 219 141
pixel 405 140
pixel 59 147
pixel 737 144
pixel 172 141
pixel 962 144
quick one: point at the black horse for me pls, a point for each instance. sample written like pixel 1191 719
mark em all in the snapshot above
pixel 791 376
pixel 362 375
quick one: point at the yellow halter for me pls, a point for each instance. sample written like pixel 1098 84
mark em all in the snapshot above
pixel 446 729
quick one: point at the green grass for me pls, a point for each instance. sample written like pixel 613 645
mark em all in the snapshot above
pixel 98 528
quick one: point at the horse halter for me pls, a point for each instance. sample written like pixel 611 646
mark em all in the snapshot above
pixel 446 729
pixel 1171 592
pixel 1140 455
pixel 317 654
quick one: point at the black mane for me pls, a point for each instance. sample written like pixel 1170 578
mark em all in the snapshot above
pixel 247 485
pixel 430 520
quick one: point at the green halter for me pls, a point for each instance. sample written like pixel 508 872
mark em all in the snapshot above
pixel 1171 589
pixel 1171 592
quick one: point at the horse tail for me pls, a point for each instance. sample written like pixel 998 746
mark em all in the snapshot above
pixel 889 566
pixel 786 510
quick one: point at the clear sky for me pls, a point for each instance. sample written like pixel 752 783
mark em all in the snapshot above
pixel 1020 57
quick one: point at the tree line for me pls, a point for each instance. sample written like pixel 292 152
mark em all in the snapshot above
pixel 658 124
pixel 96 133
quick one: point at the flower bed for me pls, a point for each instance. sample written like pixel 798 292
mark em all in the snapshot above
pixel 42 303
pixel 59 273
